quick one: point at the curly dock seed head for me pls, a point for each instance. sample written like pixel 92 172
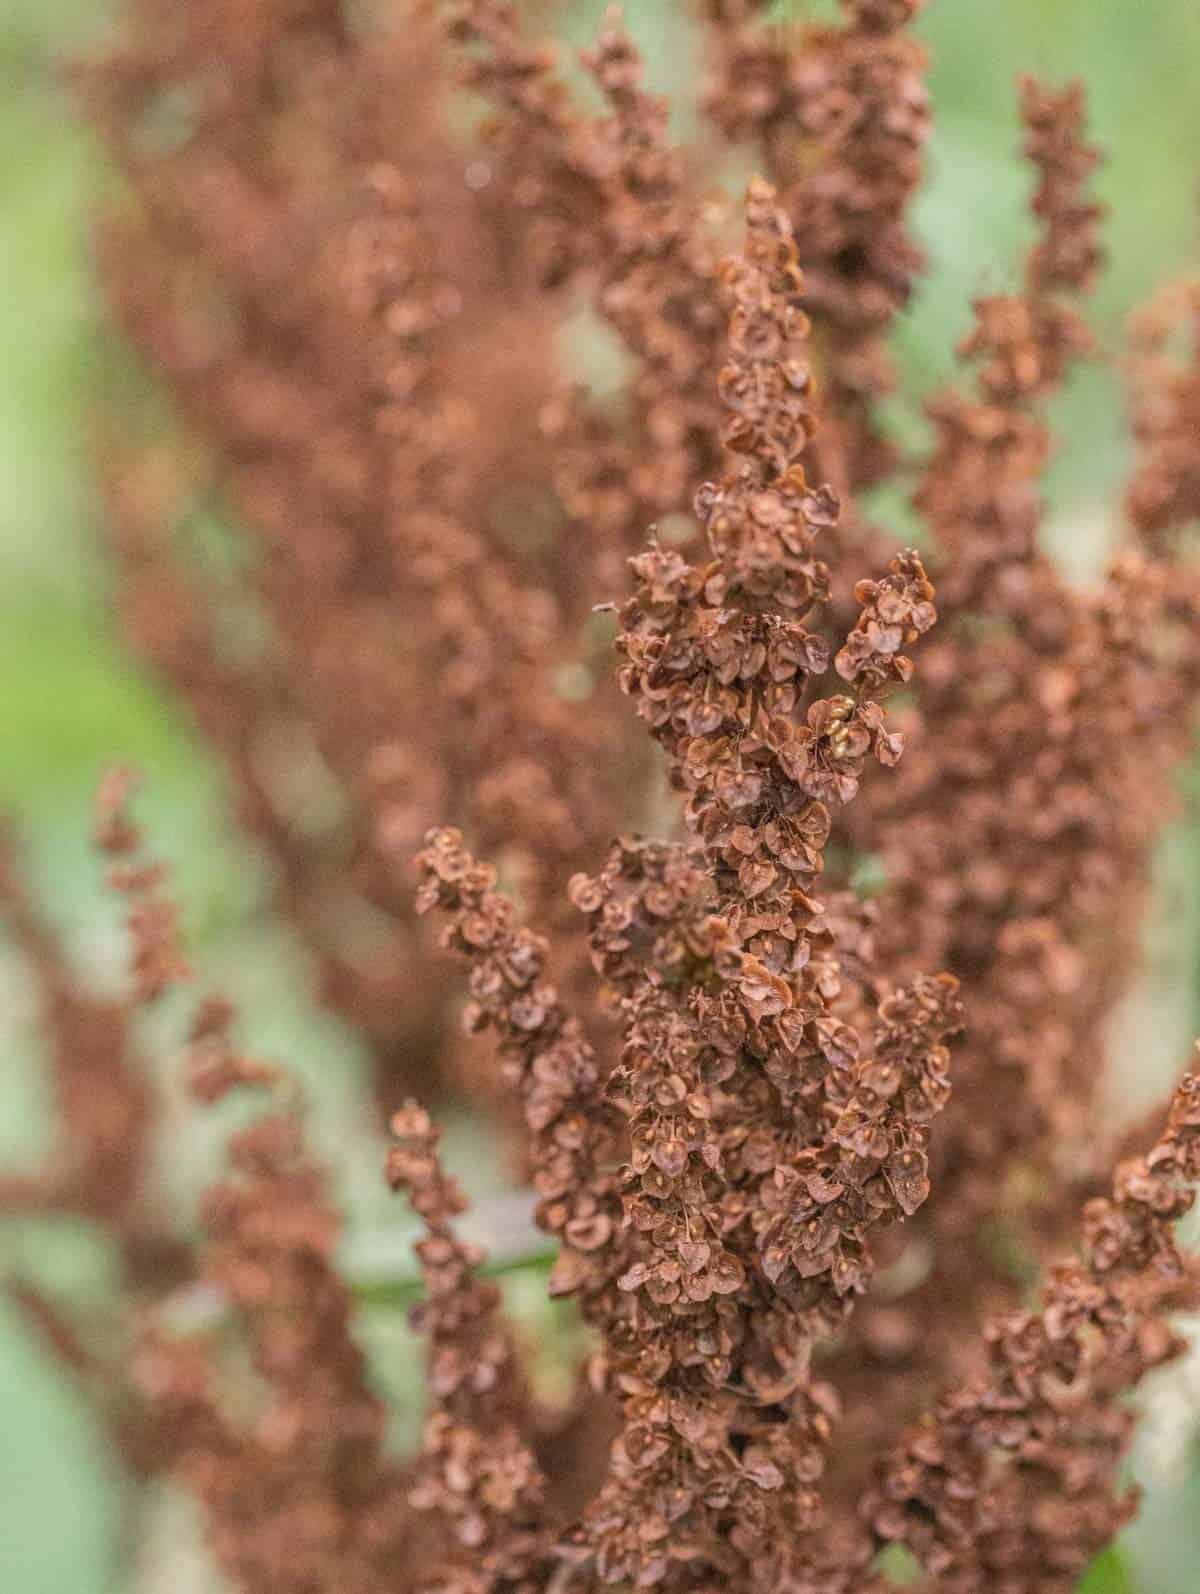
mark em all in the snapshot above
pixel 801 1070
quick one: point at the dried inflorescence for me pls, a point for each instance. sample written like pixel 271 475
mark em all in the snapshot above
pixel 357 287
pixel 546 1056
pixel 1013 1481
pixel 477 1468
pixel 102 1100
pixel 979 491
pixel 295 1487
pixel 614 212
pixel 767 1138
pixel 100 1166
pixel 152 917
pixel 288 1465
pixel 1164 495
pixel 719 655
pixel 842 116
pixel 1015 841
pixel 783 1203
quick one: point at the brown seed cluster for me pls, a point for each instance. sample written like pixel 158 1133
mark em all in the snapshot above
pixel 979 490
pixel 545 1054
pixel 792 1207
pixel 1164 362
pixel 478 1471
pixel 1015 837
pixel 101 1163
pixel 767 1138
pixel 614 212
pixel 1012 1481
pixel 102 1102
pixel 333 309
pixel 289 1469
pixel 841 115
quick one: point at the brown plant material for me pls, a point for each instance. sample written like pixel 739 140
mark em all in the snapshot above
pixel 719 654
pixel 296 1490
pixel 99 1166
pixel 613 208
pixel 1013 1481
pixel 1017 835
pixel 766 1138
pixel 979 491
pixel 1162 502
pixel 842 117
pixel 477 1470
pixel 1164 365
pixel 1012 686
pixel 546 1056
pixel 353 289
pixel 152 920
pixel 785 1235
pixel 103 1103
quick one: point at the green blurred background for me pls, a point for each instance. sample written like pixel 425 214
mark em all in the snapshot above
pixel 70 701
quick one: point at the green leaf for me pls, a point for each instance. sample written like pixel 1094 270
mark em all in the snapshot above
pixel 1108 1574
pixel 898 1565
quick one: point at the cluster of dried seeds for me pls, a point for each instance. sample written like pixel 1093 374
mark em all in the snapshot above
pixel 773 1185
